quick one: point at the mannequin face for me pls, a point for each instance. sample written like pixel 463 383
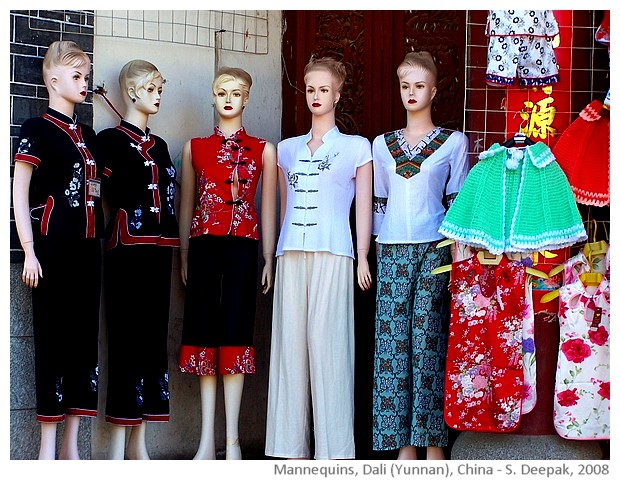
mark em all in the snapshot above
pixel 148 98
pixel 417 89
pixel 70 83
pixel 321 92
pixel 230 99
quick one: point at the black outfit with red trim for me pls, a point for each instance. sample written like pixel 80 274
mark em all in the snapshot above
pixel 67 224
pixel 139 186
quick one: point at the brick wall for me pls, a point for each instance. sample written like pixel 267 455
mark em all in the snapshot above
pixel 31 31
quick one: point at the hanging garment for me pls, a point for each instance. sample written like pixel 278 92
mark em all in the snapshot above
pixel 583 153
pixel 484 364
pixel 603 35
pixel 521 46
pixel 515 200
pixel 581 408
pixel 529 353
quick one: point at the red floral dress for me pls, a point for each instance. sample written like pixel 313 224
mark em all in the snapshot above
pixel 581 403
pixel 484 365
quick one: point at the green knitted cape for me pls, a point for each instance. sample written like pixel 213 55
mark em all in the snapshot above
pixel 515 200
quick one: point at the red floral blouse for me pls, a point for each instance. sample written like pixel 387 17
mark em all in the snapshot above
pixel 222 164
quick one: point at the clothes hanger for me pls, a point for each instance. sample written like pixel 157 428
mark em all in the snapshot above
pixel 486 258
pixel 591 279
pixel 590 250
pixel 588 279
pixel 547 297
pixel 519 139
pixel 595 247
pixel 445 243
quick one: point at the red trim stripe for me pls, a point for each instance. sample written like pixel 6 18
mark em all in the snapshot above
pixel 90 168
pixel 145 146
pixel 121 233
pixel 24 157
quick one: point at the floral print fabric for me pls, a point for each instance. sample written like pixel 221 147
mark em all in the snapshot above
pixel 484 367
pixel 581 403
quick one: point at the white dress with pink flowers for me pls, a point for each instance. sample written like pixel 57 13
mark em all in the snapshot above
pixel 581 401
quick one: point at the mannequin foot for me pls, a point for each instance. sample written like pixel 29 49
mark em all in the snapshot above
pixel 136 447
pixel 233 449
pixel 68 453
pixel 205 453
pixel 137 452
pixel 47 449
pixel 69 446
pixel 408 453
pixel 435 453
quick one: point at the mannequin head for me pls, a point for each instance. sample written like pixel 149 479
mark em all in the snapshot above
pixel 231 91
pixel 137 79
pixel 66 71
pixel 226 74
pixel 324 78
pixel 421 60
pixel 328 64
pixel 417 75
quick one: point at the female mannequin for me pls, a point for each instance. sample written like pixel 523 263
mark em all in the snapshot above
pixel 59 219
pixel 312 345
pixel 139 193
pixel 219 254
pixel 413 167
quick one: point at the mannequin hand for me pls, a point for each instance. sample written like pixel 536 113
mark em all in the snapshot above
pixel 364 279
pixel 32 271
pixel 184 266
pixel 267 277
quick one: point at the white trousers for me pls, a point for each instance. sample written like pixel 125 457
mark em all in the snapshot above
pixel 311 367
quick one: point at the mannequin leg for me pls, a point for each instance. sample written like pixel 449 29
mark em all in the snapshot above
pixel 407 453
pixel 208 390
pixel 136 448
pixel 435 453
pixel 47 449
pixel 233 391
pixel 69 447
pixel 117 443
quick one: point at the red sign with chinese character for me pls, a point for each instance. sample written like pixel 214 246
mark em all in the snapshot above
pixel 543 113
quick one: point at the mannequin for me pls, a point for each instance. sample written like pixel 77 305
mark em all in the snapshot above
pixel 413 167
pixel 142 231
pixel 312 344
pixel 59 219
pixel 219 254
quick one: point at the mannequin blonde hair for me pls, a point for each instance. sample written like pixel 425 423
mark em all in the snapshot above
pixel 137 74
pixel 228 74
pixel 422 60
pixel 334 67
pixel 63 53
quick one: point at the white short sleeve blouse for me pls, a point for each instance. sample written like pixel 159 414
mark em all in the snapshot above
pixel 320 191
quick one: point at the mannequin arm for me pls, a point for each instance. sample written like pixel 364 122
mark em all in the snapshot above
pixel 363 222
pixel 21 207
pixel 283 191
pixel 186 210
pixel 268 213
